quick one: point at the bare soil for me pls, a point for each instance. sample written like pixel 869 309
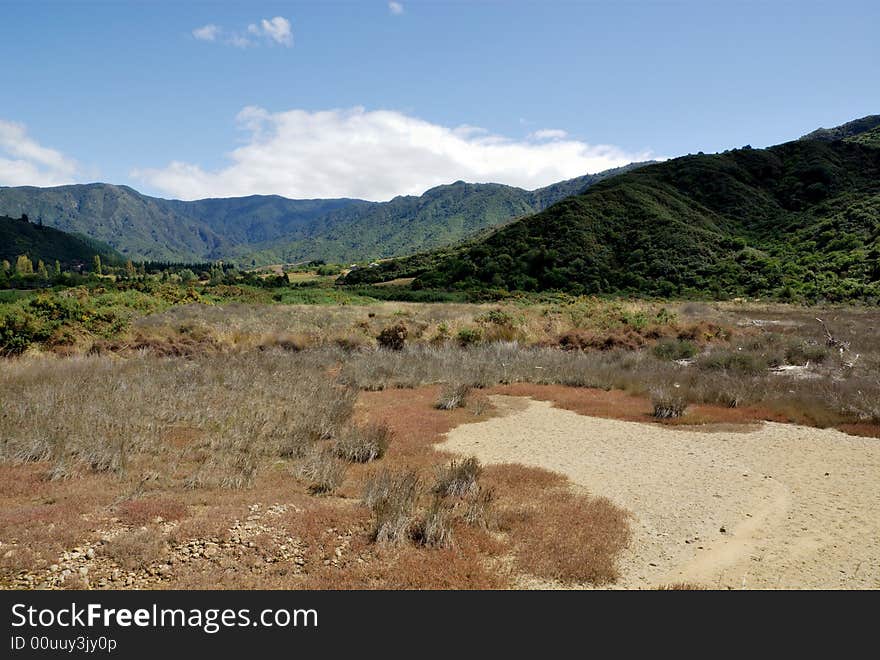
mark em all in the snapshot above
pixel 746 505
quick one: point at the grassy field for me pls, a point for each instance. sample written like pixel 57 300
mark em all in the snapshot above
pixel 189 437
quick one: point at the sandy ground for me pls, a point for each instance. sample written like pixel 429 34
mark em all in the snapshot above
pixel 761 506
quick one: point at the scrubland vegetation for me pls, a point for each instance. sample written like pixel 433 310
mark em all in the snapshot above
pixel 212 435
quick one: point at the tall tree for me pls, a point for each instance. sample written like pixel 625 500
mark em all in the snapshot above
pixel 23 265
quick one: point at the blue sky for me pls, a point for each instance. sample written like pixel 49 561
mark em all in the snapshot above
pixel 372 98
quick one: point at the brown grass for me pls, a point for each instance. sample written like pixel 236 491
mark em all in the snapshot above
pixel 557 534
pixel 141 511
pixel 570 538
pixel 135 549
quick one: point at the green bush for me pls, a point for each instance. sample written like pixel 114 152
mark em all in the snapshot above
pixel 19 329
pixel 804 352
pixel 675 349
pixel 736 361
pixel 468 336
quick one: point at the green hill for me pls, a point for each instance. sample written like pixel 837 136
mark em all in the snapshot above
pixel 273 229
pixel 19 236
pixel 798 219
pixel 859 130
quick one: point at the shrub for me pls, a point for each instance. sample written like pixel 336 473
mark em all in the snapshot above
pixel 668 403
pixel 391 497
pixel 480 404
pixel 458 479
pixel 675 349
pixel 393 337
pixel 739 361
pixel 499 326
pixel 478 511
pixel 453 395
pixel 323 471
pixel 468 336
pixel 434 528
pixel 362 444
pixel 804 352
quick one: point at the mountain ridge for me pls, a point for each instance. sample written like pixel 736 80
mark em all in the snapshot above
pixel 270 228
pixel 800 219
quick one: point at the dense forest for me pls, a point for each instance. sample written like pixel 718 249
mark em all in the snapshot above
pixel 799 220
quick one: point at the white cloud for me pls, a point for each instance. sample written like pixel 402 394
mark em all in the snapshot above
pixel 395 8
pixel 207 32
pixel 549 134
pixel 375 155
pixel 277 30
pixel 24 162
pixel 273 31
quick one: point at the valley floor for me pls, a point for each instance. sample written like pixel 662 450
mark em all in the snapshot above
pixel 764 505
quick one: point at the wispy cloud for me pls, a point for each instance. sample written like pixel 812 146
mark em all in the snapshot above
pixel 376 155
pixel 395 8
pixel 273 31
pixel 207 32
pixel 549 134
pixel 25 162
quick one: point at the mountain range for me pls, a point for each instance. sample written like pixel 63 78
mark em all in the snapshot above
pixel 264 229
pixel 800 219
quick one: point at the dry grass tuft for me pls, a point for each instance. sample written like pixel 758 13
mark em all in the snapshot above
pixel 668 403
pixel 434 528
pixel 362 444
pixel 453 395
pixel 392 497
pixel 135 549
pixel 478 510
pixel 458 478
pixel 322 470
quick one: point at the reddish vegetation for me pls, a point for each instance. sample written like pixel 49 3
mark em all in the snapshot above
pixel 138 512
pixel 630 338
pixel 617 404
pixel 528 528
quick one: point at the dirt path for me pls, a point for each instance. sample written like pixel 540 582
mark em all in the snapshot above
pixel 766 506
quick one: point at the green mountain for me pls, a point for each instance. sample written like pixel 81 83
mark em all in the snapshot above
pixel 272 229
pixel 862 131
pixel 798 219
pixel 19 236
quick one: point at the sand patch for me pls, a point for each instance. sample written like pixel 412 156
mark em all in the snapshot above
pixel 777 506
